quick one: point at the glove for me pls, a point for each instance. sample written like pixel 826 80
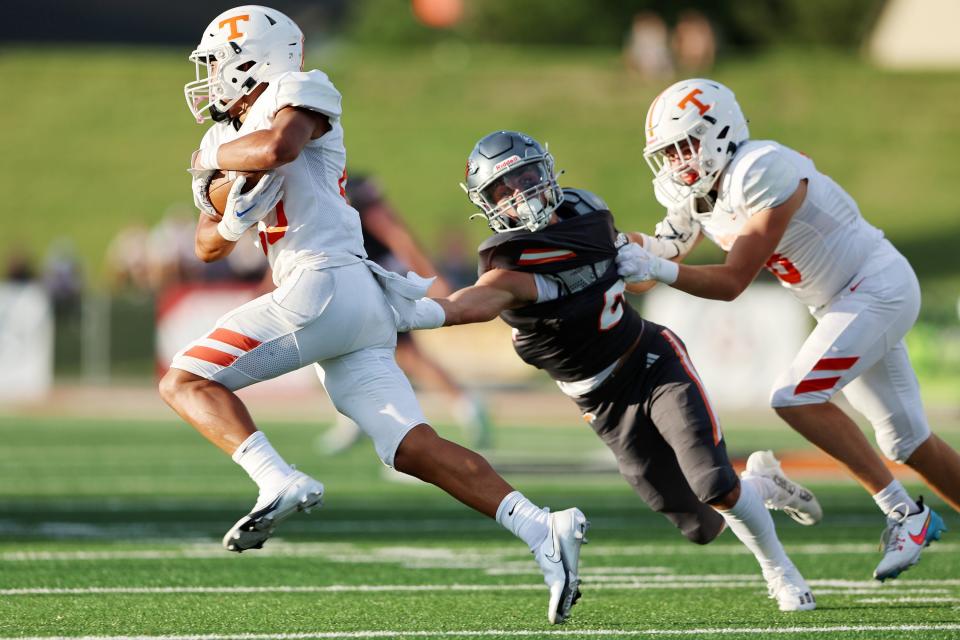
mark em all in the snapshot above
pixel 675 236
pixel 423 313
pixel 636 264
pixel 410 309
pixel 243 210
pixel 200 180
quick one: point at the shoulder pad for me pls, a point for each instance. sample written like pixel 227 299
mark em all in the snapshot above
pixel 310 90
pixel 583 201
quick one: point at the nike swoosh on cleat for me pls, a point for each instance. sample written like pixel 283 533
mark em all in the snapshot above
pixel 921 538
pixel 267 509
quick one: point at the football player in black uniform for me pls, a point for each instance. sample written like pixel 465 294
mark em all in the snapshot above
pixel 549 271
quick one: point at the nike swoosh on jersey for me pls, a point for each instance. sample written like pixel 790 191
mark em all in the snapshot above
pixel 854 287
pixel 921 538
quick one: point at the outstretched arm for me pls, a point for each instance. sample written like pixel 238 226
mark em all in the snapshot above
pixel 750 252
pixel 753 247
pixel 495 291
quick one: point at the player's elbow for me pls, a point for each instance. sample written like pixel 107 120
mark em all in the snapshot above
pixel 280 151
pixel 732 288
pixel 209 253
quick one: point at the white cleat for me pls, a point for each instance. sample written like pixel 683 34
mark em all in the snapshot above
pixel 794 499
pixel 904 539
pixel 790 590
pixel 301 493
pixel 559 559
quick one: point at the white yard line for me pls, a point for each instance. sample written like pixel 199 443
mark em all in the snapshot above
pixel 593 583
pixel 509 633
pixel 342 552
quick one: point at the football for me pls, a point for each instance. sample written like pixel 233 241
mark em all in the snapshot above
pixel 222 181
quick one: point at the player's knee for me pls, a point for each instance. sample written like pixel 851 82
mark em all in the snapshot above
pixel 705 528
pixel 899 444
pixel 168 387
pixel 414 453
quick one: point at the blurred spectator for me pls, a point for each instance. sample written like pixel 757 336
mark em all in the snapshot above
pixel 19 266
pixel 63 275
pixel 126 259
pixel 694 45
pixel 646 50
pixel 154 259
pixel 389 243
pixel 457 262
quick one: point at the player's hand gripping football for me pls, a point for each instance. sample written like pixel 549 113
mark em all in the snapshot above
pixel 636 264
pixel 200 181
pixel 243 210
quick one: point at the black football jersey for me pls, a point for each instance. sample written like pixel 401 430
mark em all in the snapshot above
pixel 589 325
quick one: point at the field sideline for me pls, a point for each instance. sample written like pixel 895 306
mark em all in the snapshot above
pixel 110 528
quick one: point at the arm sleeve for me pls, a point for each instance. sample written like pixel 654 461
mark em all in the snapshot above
pixel 311 90
pixel 768 182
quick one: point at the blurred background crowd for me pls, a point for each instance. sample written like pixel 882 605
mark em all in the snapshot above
pixel 106 229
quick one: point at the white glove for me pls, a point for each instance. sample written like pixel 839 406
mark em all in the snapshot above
pixel 636 264
pixel 410 309
pixel 424 313
pixel 243 210
pixel 199 183
pixel 675 236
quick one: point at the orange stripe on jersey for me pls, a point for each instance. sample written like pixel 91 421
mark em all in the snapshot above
pixel 816 384
pixel 211 355
pixel 835 364
pixel 234 339
pixel 687 365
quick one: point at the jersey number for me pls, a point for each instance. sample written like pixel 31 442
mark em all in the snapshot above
pixel 783 269
pixel 613 302
pixel 272 234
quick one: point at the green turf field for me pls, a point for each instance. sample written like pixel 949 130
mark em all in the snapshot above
pixel 100 137
pixel 111 528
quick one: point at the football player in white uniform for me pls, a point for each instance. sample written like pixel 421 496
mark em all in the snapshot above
pixel 766 205
pixel 329 308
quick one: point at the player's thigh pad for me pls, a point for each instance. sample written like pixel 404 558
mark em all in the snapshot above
pixel 368 387
pixel 854 332
pixel 312 316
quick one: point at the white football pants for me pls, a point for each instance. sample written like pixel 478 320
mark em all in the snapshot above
pixel 337 318
pixel 858 347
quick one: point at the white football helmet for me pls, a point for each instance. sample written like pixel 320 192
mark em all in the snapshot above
pixel 692 129
pixel 241 48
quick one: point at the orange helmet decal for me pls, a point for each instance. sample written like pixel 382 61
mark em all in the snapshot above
pixel 234 33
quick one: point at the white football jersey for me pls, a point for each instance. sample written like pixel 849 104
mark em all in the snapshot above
pixel 312 227
pixel 827 240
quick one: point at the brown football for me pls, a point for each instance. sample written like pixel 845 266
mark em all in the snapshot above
pixel 222 182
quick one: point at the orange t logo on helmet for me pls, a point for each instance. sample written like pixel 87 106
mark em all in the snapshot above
pixel 234 34
pixel 692 98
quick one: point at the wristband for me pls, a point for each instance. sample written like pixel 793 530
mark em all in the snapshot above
pixel 227 233
pixel 667 272
pixel 208 157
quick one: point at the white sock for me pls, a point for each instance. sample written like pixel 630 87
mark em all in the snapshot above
pixel 765 487
pixel 894 498
pixel 523 519
pixel 751 522
pixel 262 463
